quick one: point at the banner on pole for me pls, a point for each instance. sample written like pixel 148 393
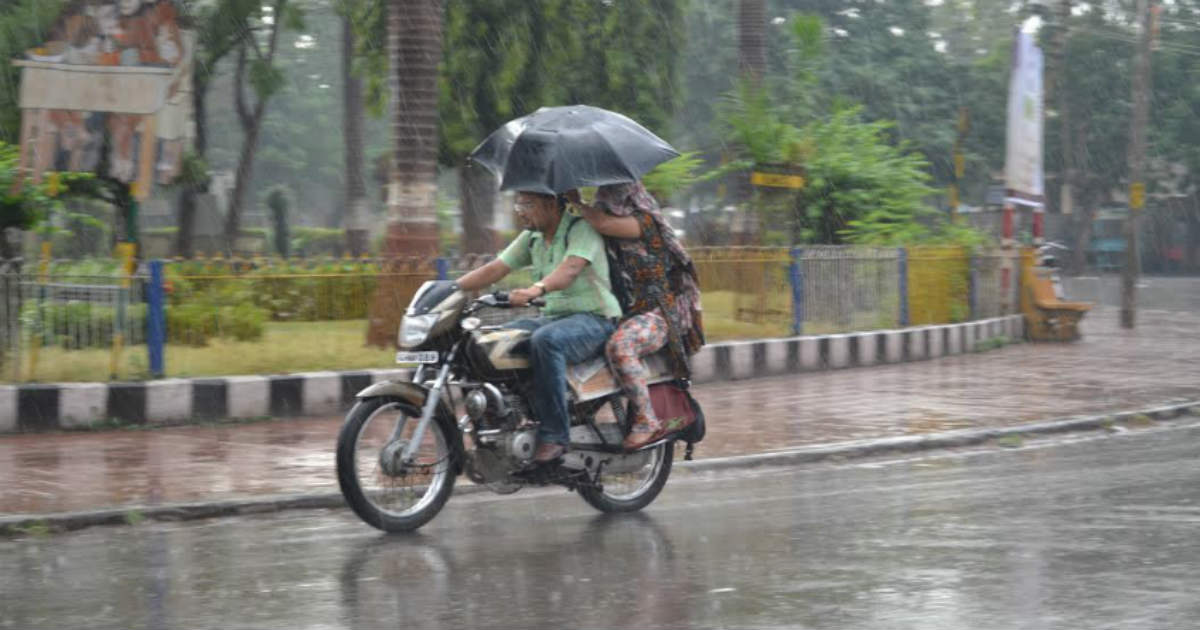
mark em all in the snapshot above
pixel 1023 177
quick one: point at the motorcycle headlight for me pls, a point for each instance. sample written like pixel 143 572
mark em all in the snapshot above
pixel 414 329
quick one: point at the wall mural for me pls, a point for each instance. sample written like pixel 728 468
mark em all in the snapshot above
pixel 115 68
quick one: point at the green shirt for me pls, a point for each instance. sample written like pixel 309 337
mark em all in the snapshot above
pixel 591 292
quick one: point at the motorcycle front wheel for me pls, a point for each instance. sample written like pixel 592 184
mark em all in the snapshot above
pixel 384 490
pixel 634 490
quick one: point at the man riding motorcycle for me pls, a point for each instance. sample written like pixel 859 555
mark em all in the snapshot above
pixel 580 312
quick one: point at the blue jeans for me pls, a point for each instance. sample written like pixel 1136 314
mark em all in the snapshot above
pixel 554 344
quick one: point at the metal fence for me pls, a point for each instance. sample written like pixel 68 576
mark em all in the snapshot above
pixel 223 316
pixel 50 316
pixel 849 288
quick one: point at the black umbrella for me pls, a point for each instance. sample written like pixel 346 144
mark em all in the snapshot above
pixel 556 149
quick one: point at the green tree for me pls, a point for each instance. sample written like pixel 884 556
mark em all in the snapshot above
pixel 256 49
pixel 506 58
pixel 23 24
pixel 218 28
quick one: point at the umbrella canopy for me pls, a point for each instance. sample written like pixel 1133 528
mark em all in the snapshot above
pixel 556 149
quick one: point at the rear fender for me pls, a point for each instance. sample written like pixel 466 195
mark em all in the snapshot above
pixel 416 395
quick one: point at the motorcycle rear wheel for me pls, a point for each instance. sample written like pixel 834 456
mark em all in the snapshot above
pixel 383 492
pixel 630 492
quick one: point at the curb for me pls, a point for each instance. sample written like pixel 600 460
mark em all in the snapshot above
pixel 66 521
pixel 51 407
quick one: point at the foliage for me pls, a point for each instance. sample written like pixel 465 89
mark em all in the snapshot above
pixel 314 241
pixel 35 205
pixel 286 290
pixel 278 200
pixel 76 325
pixel 757 126
pixel 861 187
pixel 20 210
pixel 673 176
pixel 501 54
pixel 23 24
pixel 195 323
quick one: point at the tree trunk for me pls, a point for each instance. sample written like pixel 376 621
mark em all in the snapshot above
pixel 1084 219
pixel 1058 87
pixel 184 237
pixel 478 189
pixel 415 49
pixel 251 119
pixel 1192 248
pixel 415 43
pixel 355 202
pixel 752 65
pixel 245 170
pixel 1137 164
pixel 752 38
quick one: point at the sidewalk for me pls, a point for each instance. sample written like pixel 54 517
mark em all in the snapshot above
pixel 1109 371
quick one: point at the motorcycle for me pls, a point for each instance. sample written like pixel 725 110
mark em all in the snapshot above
pixel 401 448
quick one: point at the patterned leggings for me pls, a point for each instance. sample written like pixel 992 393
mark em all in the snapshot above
pixel 637 336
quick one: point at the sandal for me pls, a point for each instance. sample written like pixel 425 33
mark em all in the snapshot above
pixel 641 434
pixel 668 428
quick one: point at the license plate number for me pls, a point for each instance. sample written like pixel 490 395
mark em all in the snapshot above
pixel 416 357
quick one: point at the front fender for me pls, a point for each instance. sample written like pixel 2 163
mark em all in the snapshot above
pixel 415 395
pixel 411 392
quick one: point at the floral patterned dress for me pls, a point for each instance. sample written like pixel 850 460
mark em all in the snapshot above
pixel 663 308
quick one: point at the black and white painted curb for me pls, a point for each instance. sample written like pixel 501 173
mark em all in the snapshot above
pixel 17 524
pixel 31 408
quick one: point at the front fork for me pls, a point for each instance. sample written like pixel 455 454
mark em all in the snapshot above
pixel 427 412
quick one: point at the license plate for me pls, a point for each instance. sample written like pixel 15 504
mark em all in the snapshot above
pixel 416 357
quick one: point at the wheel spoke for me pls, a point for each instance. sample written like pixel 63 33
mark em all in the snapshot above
pixel 407 489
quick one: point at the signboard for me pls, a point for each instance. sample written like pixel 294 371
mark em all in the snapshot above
pixel 1137 195
pixel 1023 177
pixel 778 176
pixel 115 69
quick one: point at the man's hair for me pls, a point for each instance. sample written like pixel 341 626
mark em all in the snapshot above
pixel 560 200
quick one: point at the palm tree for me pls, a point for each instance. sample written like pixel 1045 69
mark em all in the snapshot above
pixel 414 50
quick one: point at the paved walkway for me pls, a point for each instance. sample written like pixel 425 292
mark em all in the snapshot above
pixel 1110 370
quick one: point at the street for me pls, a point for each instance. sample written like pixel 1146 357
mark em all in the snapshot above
pixel 1083 533
pixel 1110 370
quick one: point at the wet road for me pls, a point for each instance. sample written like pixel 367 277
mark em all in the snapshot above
pixel 1110 370
pixel 1095 533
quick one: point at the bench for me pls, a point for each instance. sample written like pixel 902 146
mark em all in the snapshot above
pixel 1049 317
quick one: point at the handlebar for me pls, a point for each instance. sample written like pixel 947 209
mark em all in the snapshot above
pixel 499 299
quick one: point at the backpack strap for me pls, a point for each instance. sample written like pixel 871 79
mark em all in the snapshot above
pixel 567 235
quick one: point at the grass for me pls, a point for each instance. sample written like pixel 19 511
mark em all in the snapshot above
pixel 1010 441
pixel 38 529
pixel 285 347
pixel 991 343
pixel 339 345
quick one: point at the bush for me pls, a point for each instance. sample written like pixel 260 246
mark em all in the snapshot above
pixel 278 201
pixel 243 322
pixel 194 324
pixel 285 290
pixel 79 325
pixel 313 241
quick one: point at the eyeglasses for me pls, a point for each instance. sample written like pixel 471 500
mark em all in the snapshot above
pixel 521 207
